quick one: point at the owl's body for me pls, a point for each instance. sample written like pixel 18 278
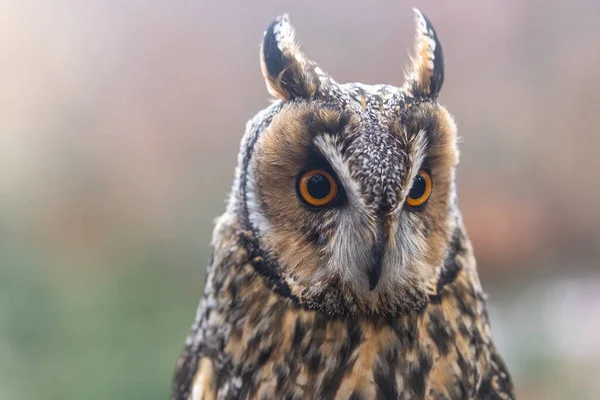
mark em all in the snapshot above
pixel 341 268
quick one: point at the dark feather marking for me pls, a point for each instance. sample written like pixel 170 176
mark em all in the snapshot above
pixel 440 333
pixel 356 395
pixel 299 332
pixel 386 382
pixel 333 379
pixel 419 373
pixel 451 265
pixel 487 392
pixel 314 361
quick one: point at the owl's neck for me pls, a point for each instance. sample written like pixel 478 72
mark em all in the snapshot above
pixel 247 322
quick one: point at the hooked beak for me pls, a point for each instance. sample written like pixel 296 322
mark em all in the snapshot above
pixel 377 252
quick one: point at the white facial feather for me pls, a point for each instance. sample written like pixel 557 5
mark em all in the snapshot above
pixel 350 249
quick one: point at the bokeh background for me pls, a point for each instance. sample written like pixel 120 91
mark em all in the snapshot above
pixel 119 129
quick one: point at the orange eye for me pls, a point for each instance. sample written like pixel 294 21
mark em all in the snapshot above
pixel 421 189
pixel 317 188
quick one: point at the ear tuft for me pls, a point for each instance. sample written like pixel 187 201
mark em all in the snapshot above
pixel 287 72
pixel 426 74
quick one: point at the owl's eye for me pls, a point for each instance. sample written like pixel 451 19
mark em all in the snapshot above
pixel 421 189
pixel 317 188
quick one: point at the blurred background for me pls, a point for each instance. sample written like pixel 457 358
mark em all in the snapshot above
pixel 119 130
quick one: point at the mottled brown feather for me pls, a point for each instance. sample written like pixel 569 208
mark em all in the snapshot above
pixel 289 311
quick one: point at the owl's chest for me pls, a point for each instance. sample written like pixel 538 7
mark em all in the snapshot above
pixel 301 355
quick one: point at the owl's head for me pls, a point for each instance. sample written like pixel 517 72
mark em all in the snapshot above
pixel 346 191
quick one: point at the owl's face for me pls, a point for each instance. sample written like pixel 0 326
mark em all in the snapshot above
pixel 348 189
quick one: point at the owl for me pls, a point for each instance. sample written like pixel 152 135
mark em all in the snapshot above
pixel 341 268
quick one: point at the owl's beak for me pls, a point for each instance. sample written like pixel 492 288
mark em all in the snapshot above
pixel 377 252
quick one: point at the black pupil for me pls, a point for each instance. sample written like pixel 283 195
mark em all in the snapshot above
pixel 418 188
pixel 318 186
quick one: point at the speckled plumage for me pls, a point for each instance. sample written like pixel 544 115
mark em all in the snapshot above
pixel 364 299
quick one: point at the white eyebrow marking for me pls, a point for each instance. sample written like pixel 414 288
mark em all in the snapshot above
pixel 417 153
pixel 332 153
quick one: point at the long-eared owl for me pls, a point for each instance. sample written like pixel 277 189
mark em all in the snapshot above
pixel 341 267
